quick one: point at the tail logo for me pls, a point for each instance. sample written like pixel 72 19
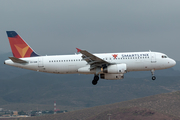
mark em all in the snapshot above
pixel 22 50
pixel 19 47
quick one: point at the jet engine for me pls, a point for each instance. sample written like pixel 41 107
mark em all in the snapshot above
pixel 115 69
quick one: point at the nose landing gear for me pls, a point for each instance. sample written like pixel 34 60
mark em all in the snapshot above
pixel 153 77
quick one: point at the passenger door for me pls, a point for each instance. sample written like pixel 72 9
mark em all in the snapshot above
pixel 153 58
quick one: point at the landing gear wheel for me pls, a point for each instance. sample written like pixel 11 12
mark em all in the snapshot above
pixel 153 77
pixel 96 77
pixel 95 81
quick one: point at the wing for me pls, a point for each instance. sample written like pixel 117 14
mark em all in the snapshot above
pixel 93 60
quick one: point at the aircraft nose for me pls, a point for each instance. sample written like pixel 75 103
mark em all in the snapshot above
pixel 173 62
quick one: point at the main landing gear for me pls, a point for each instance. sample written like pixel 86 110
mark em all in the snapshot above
pixel 95 80
pixel 153 77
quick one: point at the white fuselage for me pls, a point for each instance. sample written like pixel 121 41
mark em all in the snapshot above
pixel 69 64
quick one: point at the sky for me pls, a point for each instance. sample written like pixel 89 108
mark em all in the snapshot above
pixel 99 26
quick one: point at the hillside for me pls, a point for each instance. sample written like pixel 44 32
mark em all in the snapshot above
pixel 133 113
pixel 157 107
pixel 72 92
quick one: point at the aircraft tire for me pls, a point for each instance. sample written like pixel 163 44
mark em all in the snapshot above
pixel 153 78
pixel 96 78
pixel 94 82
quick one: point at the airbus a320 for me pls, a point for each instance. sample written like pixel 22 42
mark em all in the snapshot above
pixel 110 66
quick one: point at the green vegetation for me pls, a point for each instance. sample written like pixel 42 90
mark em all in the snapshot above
pixel 22 113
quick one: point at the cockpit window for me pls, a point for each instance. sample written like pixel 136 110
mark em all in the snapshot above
pixel 164 56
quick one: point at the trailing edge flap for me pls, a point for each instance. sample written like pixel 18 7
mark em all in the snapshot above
pixel 93 60
pixel 17 60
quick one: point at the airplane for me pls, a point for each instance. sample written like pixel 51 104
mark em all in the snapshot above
pixel 110 66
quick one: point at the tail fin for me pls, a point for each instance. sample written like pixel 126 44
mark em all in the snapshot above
pixel 19 47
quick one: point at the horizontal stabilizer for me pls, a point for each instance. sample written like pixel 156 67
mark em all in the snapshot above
pixel 17 60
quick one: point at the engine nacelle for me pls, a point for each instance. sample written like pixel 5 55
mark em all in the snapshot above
pixel 112 76
pixel 116 69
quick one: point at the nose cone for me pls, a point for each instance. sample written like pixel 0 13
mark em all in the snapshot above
pixel 170 62
pixel 173 62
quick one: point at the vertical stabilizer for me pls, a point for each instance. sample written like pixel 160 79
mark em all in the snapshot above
pixel 19 47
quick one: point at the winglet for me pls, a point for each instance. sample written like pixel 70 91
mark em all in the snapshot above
pixel 78 50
